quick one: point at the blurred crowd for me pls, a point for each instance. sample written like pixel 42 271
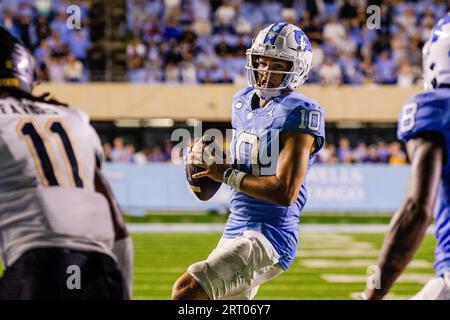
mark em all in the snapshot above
pixel 60 45
pixel 381 152
pixel 118 151
pixel 199 41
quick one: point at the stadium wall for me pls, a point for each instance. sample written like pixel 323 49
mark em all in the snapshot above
pixel 331 188
pixel 113 101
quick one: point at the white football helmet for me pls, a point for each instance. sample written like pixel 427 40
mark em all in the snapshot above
pixel 282 41
pixel 436 55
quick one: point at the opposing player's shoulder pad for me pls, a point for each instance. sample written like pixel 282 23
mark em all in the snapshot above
pixel 83 115
pixel 75 112
pixel 422 112
pixel 94 137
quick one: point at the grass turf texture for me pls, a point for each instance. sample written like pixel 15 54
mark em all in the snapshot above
pixel 161 257
pixel 173 217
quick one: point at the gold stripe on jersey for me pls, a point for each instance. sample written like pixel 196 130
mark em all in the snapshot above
pixel 63 151
pixel 34 154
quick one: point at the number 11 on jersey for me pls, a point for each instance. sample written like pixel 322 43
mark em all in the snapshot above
pixel 38 143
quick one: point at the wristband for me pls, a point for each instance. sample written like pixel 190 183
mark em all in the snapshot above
pixel 233 178
pixel 226 175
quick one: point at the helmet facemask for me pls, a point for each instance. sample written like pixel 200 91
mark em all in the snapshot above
pixel 257 73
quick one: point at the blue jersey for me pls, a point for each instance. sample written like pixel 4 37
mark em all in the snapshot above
pixel 430 111
pixel 254 148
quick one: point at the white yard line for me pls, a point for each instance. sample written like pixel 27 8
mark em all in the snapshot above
pixel 389 296
pixel 343 228
pixel 334 245
pixel 357 263
pixel 314 238
pixel 348 252
pixel 404 278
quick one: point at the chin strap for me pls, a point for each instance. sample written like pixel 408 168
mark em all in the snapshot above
pixel 267 94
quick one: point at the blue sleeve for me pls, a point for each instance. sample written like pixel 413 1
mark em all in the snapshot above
pixel 308 118
pixel 418 116
pixel 233 117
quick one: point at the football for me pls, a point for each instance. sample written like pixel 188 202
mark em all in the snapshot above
pixel 204 188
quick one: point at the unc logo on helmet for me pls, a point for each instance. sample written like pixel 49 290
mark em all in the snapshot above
pixel 437 31
pixel 302 40
pixel 436 55
pixel 283 41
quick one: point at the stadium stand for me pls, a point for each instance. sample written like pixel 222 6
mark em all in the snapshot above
pixel 61 52
pixel 201 41
pixel 198 41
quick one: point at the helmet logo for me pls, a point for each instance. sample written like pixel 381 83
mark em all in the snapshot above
pixel 437 32
pixel 302 41
pixel 273 33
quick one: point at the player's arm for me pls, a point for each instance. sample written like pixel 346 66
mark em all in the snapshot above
pixel 283 187
pixel 410 222
pixel 123 245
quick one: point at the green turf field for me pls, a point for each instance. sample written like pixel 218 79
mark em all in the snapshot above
pixel 329 266
pixel 201 217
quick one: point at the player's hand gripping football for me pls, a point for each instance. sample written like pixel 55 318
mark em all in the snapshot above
pixel 210 157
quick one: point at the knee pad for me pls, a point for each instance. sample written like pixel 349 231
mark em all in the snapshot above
pixel 434 289
pixel 197 267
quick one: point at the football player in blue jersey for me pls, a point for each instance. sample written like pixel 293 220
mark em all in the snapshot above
pixel 277 134
pixel 424 124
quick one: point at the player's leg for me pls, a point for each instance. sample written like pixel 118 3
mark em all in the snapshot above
pixel 437 288
pixel 234 267
pixel 187 288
